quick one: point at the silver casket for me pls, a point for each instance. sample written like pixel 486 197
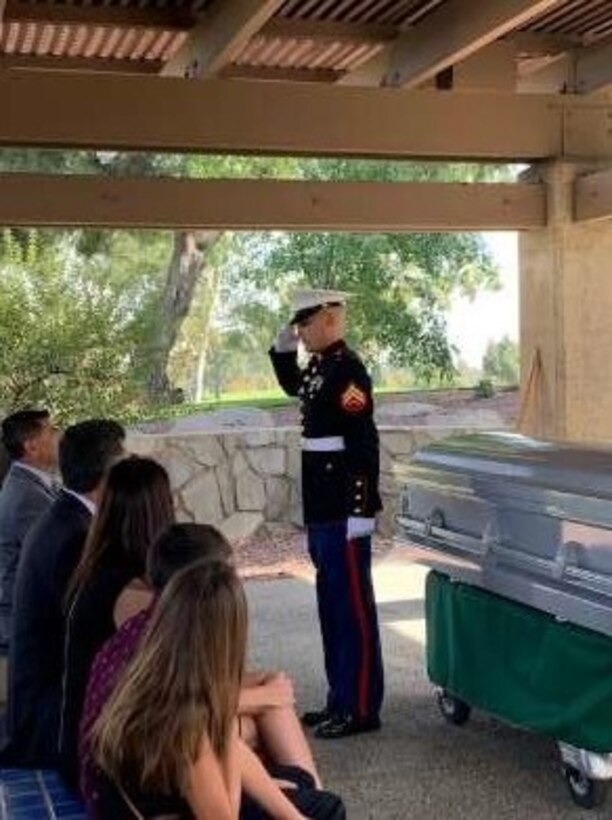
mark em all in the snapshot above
pixel 529 520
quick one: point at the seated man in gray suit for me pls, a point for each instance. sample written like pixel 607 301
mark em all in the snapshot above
pixel 27 492
pixel 50 555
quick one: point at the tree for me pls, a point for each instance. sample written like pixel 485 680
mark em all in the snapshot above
pixel 401 283
pixel 184 272
pixel 161 288
pixel 186 251
pixel 63 341
pixel 401 286
pixel 501 361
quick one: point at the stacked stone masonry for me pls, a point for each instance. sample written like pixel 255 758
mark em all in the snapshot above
pixel 240 481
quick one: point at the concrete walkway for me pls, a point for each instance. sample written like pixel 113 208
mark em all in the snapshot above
pixel 417 766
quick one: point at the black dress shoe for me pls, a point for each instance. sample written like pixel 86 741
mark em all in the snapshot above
pixel 316 717
pixel 337 727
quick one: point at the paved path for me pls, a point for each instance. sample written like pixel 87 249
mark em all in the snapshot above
pixel 418 766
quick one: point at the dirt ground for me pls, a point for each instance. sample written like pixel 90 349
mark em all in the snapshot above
pixel 279 551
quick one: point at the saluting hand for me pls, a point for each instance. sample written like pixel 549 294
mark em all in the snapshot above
pixel 286 340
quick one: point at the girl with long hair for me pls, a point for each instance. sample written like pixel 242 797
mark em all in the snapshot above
pixel 172 675
pixel 167 739
pixel 109 584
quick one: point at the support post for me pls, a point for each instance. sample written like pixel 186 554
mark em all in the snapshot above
pixel 566 314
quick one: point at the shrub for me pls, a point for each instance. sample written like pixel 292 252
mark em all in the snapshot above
pixel 484 389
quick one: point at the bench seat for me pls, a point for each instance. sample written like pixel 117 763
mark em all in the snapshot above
pixel 37 794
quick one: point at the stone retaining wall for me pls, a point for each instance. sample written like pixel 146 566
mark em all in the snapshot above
pixel 240 481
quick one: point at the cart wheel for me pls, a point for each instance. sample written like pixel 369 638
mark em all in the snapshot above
pixel 453 709
pixel 585 791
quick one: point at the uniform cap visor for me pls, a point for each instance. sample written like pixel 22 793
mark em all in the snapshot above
pixel 305 313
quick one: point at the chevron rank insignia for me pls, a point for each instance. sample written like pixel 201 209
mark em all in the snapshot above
pixel 354 399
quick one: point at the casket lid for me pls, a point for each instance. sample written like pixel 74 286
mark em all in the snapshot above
pixel 554 465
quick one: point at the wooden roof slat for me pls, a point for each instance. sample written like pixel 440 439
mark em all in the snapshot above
pixel 340 35
pixel 568 16
pixel 327 30
pixel 367 10
pixel 168 18
pixel 79 64
pixel 580 18
pixel 220 36
pixel 418 12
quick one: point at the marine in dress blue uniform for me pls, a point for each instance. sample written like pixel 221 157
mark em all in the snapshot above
pixel 340 469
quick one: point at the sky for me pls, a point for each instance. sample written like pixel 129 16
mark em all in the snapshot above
pixel 491 315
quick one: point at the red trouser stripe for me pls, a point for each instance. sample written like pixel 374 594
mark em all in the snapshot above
pixel 359 606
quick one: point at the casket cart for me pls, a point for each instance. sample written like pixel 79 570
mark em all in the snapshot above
pixel 518 534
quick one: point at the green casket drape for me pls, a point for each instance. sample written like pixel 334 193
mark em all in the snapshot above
pixel 520 664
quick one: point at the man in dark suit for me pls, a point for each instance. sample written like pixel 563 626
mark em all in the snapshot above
pixel 27 492
pixel 50 555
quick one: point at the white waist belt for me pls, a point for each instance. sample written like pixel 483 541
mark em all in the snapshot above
pixel 325 444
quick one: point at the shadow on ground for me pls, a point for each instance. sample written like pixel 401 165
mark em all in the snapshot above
pixel 417 766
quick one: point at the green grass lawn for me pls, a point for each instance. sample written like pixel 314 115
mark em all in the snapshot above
pixel 261 399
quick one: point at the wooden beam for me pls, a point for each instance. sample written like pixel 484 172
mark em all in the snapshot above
pixel 328 31
pixel 82 64
pixel 103 16
pixel 593 196
pixel 45 109
pixel 292 75
pixel 220 37
pixel 453 32
pixel 138 203
pixel 593 68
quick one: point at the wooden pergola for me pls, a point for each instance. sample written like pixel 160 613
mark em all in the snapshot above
pixel 496 80
pixel 523 81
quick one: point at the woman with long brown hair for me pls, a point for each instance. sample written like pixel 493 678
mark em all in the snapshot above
pixel 109 582
pixel 167 741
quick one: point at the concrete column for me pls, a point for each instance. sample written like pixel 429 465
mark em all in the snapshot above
pixel 566 320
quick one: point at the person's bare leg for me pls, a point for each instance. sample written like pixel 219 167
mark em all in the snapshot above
pixel 283 739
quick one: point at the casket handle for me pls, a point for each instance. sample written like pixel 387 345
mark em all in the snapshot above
pixel 435 519
pixel 490 536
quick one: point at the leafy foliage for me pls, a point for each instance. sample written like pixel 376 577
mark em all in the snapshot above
pixel 63 340
pixel 485 389
pixel 501 361
pixel 80 311
pixel 401 286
